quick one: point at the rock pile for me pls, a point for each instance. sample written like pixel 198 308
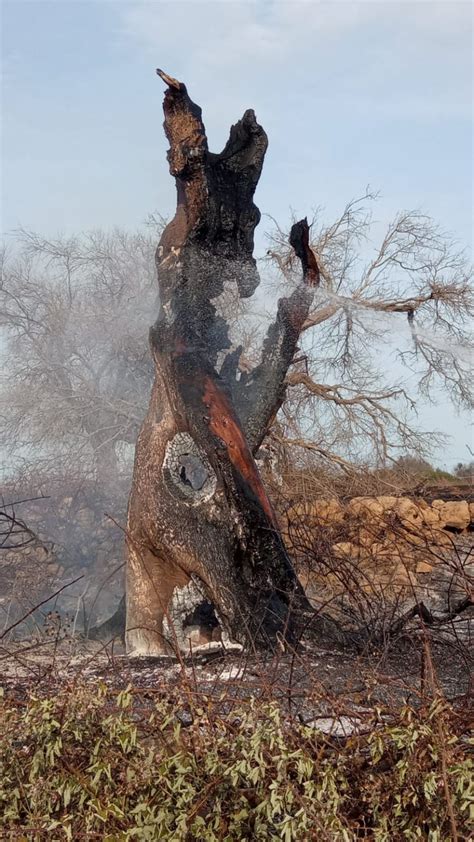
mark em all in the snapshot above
pixel 373 543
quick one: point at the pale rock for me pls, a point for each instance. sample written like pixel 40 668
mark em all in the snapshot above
pixel 365 507
pixel 380 550
pixel 455 513
pixel 432 517
pixel 409 513
pixel 319 512
pixel 424 567
pixel 365 537
pixel 388 503
pixel 346 549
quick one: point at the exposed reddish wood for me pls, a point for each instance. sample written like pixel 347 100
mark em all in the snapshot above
pixel 224 424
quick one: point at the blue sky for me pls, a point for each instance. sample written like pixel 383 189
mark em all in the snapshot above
pixel 350 94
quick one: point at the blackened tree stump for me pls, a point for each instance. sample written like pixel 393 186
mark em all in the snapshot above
pixel 200 524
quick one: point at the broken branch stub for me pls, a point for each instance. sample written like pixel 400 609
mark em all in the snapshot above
pixel 198 510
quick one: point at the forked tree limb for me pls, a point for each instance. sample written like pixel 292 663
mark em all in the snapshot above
pixel 260 393
pixel 198 510
pixel 210 239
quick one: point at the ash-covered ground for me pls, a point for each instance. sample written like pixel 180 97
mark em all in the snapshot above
pixel 335 690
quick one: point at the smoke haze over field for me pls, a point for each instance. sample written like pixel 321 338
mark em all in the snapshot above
pixel 374 92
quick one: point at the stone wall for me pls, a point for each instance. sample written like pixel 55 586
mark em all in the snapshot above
pixel 378 552
pixel 380 545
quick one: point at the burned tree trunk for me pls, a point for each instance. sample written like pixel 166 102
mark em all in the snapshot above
pixel 200 524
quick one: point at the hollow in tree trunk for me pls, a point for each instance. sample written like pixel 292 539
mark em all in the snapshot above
pixel 200 524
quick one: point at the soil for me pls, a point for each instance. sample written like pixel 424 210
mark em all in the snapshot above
pixel 336 690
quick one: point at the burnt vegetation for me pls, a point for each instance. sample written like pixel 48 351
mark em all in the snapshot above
pixel 297 580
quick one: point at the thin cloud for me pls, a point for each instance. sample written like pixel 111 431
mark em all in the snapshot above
pixel 411 57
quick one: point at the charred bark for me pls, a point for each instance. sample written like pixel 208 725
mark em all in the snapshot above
pixel 260 393
pixel 200 524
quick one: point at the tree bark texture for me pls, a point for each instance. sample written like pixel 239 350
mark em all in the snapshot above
pixel 201 528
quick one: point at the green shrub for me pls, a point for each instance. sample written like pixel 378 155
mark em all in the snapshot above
pixel 119 767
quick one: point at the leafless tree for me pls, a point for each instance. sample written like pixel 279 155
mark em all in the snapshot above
pixel 15 534
pixel 74 313
pixel 405 301
pixel 77 369
pixel 194 462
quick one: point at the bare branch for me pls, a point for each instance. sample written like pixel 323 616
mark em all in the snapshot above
pixel 416 273
pixel 260 394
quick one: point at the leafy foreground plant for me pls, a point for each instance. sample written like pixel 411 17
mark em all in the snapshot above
pixel 120 767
